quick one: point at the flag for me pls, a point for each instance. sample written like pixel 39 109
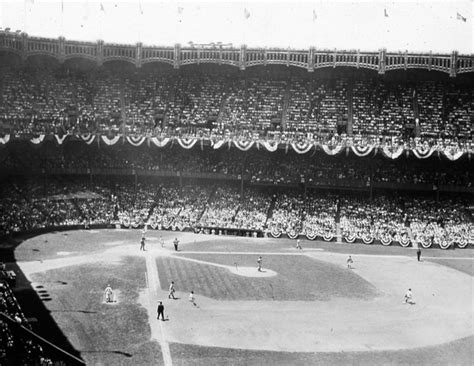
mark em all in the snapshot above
pixel 180 10
pixel 102 7
pixel 460 17
pixel 140 7
pixel 246 13
pixel 315 16
pixel 62 6
pixel 385 13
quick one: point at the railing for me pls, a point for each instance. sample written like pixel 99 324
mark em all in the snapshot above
pixel 60 356
pixel 243 57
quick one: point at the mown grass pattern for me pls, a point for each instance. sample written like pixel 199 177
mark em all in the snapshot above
pixel 299 278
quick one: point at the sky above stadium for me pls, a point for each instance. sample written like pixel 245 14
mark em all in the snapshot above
pixel 438 26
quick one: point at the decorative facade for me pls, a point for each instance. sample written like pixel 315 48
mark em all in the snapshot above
pixel 311 59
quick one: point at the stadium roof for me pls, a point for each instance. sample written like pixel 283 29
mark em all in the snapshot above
pixel 416 26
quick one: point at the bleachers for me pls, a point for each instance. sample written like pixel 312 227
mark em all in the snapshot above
pixel 15 349
pixel 74 202
pixel 40 100
pixel 382 109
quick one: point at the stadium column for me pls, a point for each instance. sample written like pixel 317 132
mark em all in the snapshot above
pixel 45 170
pixel 350 105
pixel 453 64
pixel 371 176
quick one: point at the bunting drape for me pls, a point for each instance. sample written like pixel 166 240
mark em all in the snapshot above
pixel 301 147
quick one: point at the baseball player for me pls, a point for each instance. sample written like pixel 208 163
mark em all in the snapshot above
pixel 192 299
pixel 409 297
pixel 349 262
pixel 109 295
pixel 171 291
pixel 298 244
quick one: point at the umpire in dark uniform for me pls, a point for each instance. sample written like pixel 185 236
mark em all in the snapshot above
pixel 418 254
pixel 176 242
pixel 161 311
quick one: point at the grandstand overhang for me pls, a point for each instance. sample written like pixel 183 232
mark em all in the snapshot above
pixel 242 58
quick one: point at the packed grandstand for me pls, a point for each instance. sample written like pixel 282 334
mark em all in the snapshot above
pixel 202 145
pixel 338 154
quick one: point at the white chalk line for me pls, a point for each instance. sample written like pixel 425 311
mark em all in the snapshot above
pixel 154 282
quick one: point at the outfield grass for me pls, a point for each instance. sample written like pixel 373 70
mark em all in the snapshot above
pixel 104 334
pixel 264 245
pixel 46 246
pixel 298 278
pixel 465 265
pixel 457 353
pixel 120 334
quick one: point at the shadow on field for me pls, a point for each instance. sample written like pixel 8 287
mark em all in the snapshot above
pixel 126 354
pixel 32 305
pixel 74 311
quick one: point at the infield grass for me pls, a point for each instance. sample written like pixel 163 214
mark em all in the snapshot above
pixel 298 278
pixel 119 334
pixel 462 265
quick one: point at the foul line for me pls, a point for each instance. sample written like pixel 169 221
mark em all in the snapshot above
pixel 314 251
pixel 153 283
pixel 244 253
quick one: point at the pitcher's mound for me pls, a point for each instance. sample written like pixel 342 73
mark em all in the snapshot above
pixel 252 272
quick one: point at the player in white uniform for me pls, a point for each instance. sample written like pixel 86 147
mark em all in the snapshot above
pixel 298 244
pixel 171 291
pixel 192 299
pixel 409 297
pixel 109 294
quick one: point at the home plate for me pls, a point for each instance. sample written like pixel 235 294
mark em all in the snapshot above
pixel 252 272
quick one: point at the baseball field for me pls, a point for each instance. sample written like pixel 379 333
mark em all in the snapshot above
pixel 304 308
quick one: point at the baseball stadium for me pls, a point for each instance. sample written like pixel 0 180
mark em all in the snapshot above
pixel 174 193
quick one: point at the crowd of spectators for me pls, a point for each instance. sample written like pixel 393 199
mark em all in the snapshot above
pixel 63 100
pixel 15 348
pixel 221 209
pixel 382 109
pixel 319 215
pixel 31 205
pixel 439 173
pixel 254 104
pixel 362 217
pixel 178 207
pixel 419 219
pixel 438 222
pixel 259 167
pixel 192 200
pixel 253 210
pixel 317 106
pixel 287 213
